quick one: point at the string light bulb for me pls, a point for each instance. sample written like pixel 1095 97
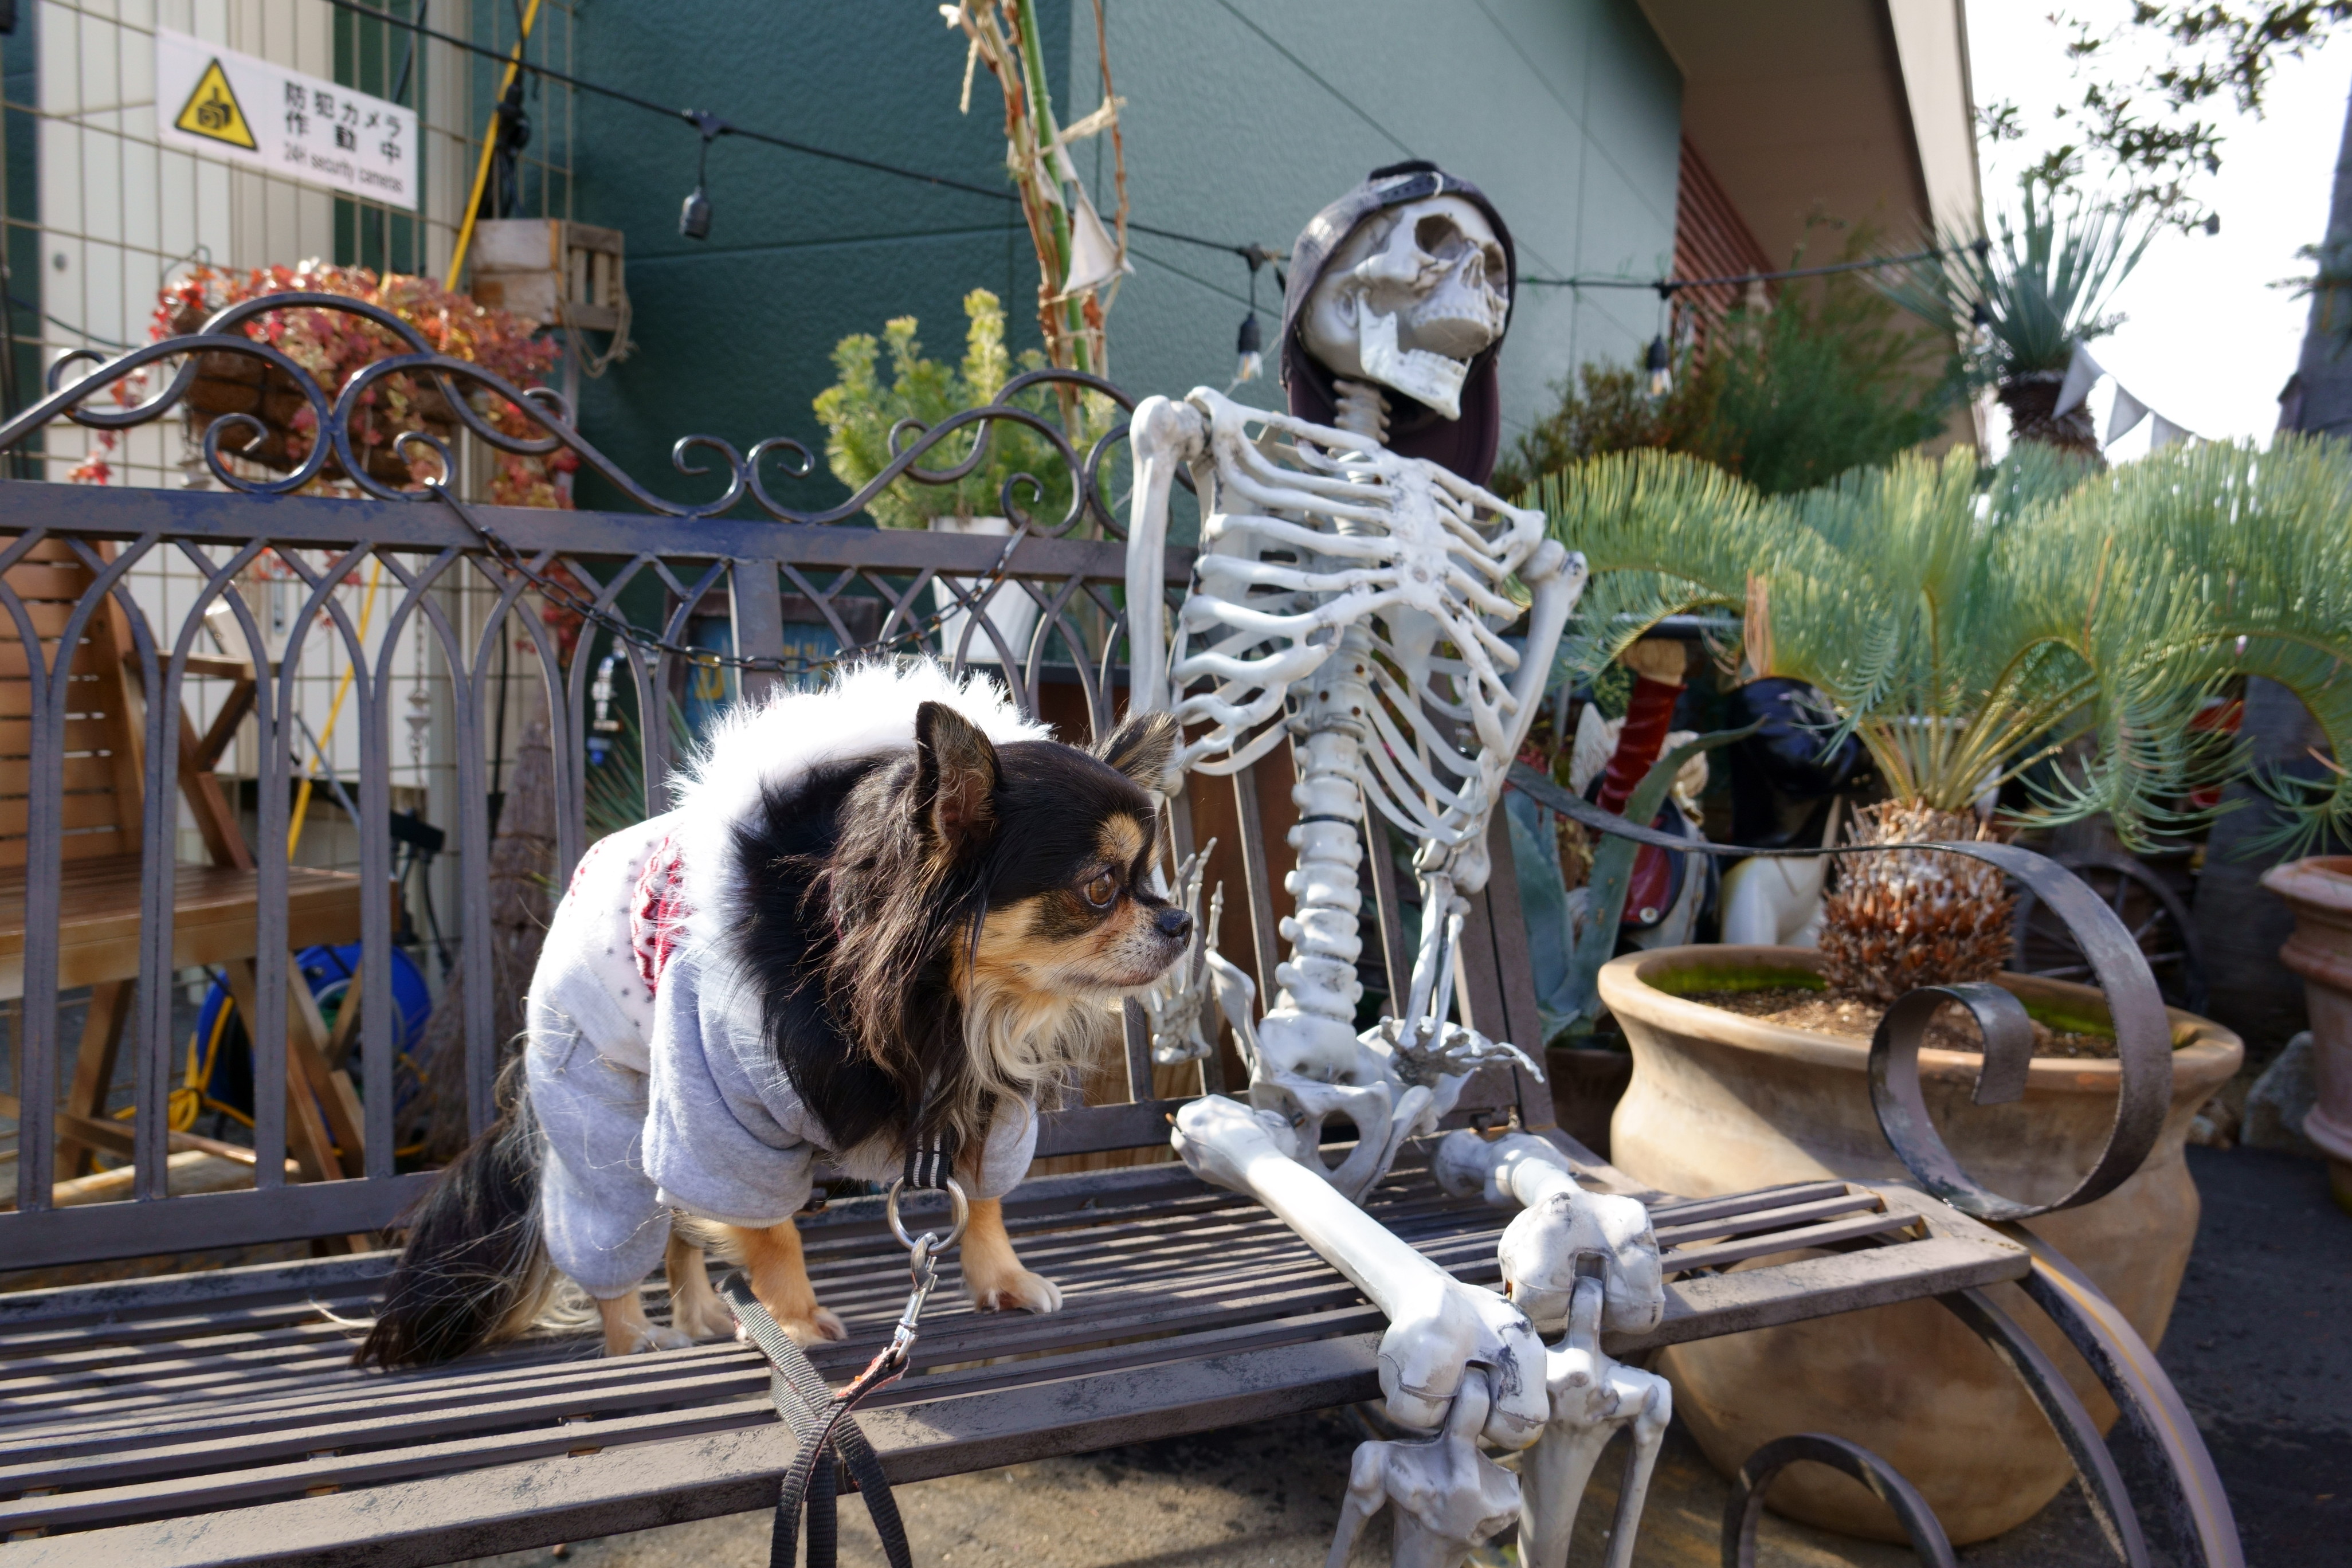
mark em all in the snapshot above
pixel 1661 366
pixel 1249 343
pixel 1250 346
pixel 694 212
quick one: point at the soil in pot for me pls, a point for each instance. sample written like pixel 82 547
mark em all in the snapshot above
pixel 1725 1101
pixel 1804 1007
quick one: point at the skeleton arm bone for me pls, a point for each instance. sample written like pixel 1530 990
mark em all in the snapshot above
pixel 1165 433
pixel 1438 1326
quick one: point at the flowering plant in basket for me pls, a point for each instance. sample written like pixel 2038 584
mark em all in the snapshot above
pixel 333 346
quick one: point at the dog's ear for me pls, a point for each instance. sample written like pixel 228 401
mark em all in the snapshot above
pixel 955 782
pixel 1140 748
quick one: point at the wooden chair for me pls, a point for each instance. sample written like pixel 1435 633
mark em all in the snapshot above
pixel 212 902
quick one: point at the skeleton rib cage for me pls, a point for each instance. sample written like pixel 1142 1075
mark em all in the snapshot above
pixel 1410 576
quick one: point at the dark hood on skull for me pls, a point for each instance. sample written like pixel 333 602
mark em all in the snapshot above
pixel 1467 445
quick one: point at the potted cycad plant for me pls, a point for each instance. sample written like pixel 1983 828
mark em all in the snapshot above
pixel 1965 633
pixel 868 422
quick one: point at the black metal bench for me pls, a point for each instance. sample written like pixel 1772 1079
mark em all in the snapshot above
pixel 212 1418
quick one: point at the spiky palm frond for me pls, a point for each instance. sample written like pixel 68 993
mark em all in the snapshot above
pixel 2260 543
pixel 1662 533
pixel 2038 289
pixel 1968 630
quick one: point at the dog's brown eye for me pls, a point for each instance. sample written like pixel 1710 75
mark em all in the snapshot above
pixel 1102 890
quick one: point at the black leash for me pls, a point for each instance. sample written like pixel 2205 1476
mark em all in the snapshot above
pixel 829 1439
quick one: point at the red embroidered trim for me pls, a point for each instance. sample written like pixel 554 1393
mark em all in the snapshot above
pixel 658 914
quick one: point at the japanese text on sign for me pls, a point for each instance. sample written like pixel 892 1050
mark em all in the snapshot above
pixel 223 104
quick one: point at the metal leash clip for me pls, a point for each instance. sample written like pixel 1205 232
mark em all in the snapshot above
pixel 922 1266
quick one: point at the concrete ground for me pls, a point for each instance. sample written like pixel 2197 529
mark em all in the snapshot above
pixel 2260 1348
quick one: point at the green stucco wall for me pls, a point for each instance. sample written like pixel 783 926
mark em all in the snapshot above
pixel 1243 118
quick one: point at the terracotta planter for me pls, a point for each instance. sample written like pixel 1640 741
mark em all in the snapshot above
pixel 2319 891
pixel 1721 1102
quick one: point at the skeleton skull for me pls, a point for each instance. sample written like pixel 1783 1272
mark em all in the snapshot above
pixel 1410 299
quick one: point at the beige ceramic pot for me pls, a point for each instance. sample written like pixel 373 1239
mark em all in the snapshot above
pixel 1720 1103
pixel 2319 890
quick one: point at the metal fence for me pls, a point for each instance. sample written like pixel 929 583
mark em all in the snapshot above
pixel 589 594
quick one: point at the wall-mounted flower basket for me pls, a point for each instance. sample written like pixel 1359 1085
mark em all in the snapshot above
pixel 333 346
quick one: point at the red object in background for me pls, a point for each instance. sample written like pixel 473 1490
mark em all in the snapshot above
pixel 1649 714
pixel 2219 716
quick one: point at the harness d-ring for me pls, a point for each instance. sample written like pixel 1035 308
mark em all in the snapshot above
pixel 962 1210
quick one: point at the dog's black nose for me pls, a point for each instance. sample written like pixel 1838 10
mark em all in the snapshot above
pixel 1174 924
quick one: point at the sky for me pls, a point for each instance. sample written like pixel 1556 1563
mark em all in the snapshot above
pixel 2208 342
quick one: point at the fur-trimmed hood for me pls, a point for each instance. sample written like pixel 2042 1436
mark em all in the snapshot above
pixel 865 711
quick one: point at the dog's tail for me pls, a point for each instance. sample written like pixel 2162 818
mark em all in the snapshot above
pixel 474 1269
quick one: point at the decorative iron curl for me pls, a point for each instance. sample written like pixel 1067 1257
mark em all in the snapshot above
pixel 595 612
pixel 1745 1511
pixel 226 435
pixel 2143 1028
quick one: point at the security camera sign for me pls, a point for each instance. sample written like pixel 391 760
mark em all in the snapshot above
pixel 223 104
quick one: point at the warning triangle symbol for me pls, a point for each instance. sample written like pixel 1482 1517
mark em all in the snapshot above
pixel 212 110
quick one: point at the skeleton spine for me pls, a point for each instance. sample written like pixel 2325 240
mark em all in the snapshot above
pixel 1319 982
pixel 1320 978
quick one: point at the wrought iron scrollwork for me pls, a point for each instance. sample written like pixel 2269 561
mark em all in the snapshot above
pixel 226 435
pixel 2143 1029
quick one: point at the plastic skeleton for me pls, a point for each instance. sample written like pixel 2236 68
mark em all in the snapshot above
pixel 1466 1362
pixel 1353 599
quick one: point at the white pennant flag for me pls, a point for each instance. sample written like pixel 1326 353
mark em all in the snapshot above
pixel 2164 433
pixel 1093 259
pixel 2125 416
pixel 2083 372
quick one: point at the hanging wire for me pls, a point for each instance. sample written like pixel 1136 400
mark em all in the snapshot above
pixel 694 118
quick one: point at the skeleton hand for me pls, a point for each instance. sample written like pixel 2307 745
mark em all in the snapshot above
pixel 1182 1027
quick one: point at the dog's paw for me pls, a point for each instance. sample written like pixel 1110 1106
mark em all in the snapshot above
pixel 816 1328
pixel 652 1337
pixel 702 1318
pixel 1030 1292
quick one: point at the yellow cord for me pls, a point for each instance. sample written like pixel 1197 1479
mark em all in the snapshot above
pixel 489 146
pixel 189 1101
pixel 334 712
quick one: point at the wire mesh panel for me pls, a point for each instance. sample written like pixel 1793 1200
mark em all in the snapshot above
pixel 606 617
pixel 100 213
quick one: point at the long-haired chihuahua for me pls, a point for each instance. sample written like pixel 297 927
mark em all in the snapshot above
pixel 886 915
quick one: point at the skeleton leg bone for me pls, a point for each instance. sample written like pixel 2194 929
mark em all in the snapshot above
pixel 1437 1325
pixel 1594 1257
pixel 1448 1497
